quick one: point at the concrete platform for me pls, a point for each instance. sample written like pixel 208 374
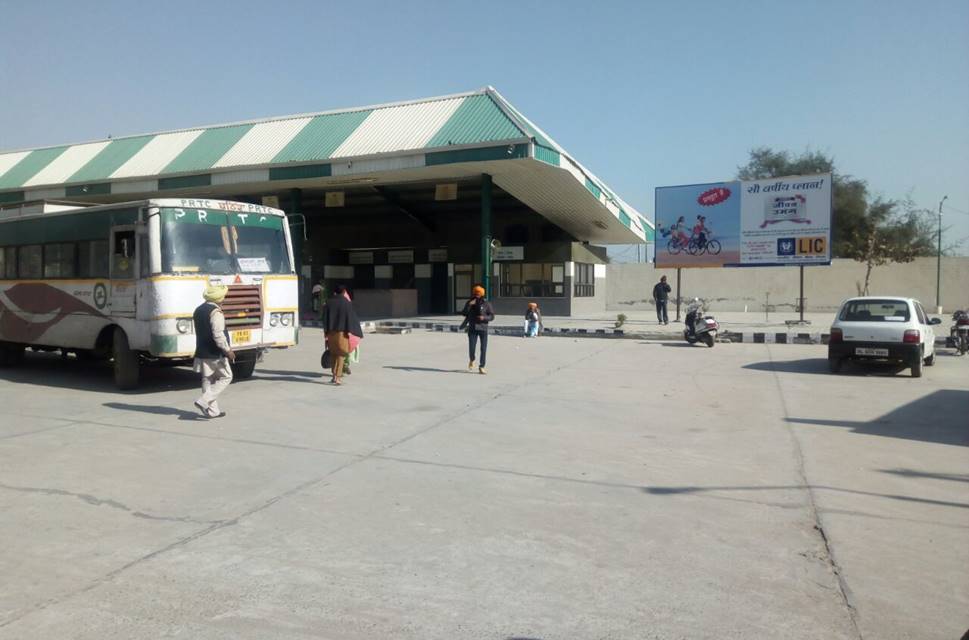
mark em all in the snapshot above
pixel 583 489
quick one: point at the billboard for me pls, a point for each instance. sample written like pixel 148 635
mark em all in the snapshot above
pixel 771 222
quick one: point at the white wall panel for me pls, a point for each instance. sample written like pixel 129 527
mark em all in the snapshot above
pixel 135 186
pixel 373 165
pixel 53 193
pixel 240 177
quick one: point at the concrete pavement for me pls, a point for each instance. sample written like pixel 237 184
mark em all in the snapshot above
pixel 583 489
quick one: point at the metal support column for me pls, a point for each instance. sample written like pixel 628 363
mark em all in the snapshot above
pixel 296 209
pixel 486 233
pixel 938 263
pixel 678 294
pixel 800 300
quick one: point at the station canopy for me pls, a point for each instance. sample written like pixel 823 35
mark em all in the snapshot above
pixel 431 140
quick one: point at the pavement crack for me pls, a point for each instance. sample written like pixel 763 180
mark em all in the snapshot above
pixel 102 502
pixel 21 434
pixel 222 524
pixel 829 557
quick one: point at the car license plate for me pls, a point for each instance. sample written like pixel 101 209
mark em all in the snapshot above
pixel 238 337
pixel 865 351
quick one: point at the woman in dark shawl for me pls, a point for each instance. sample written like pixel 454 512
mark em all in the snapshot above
pixel 339 323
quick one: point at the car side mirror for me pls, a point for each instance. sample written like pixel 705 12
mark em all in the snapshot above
pixel 935 320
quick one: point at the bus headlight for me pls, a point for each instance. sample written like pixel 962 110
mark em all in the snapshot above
pixel 284 319
pixel 184 325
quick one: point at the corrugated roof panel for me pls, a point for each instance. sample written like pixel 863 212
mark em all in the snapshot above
pixel 478 119
pixel 530 126
pixel 261 143
pixel 67 164
pixel 159 151
pixel 207 149
pixel 398 128
pixel 9 160
pixel 29 166
pixel 322 136
pixel 110 158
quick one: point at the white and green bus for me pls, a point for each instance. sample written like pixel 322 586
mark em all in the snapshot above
pixel 121 281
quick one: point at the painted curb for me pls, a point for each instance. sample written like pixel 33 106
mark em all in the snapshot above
pixel 748 337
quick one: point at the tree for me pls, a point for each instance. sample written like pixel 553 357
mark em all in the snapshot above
pixel 887 234
pixel 850 194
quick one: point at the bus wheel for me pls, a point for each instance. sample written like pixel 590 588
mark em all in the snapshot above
pixel 126 371
pixel 242 369
pixel 11 355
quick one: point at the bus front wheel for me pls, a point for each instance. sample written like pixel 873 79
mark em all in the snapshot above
pixel 126 366
pixel 242 369
pixel 11 354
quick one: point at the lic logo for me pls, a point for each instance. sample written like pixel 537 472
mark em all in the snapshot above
pixel 785 246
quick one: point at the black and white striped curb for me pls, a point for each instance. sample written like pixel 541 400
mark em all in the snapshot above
pixel 368 327
pixel 748 337
pixel 510 330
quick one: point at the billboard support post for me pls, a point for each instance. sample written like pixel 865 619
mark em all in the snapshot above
pixel 678 294
pixel 800 302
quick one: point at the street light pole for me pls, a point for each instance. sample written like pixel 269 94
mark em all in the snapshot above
pixel 938 263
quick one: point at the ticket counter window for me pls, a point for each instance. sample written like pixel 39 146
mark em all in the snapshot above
pixel 531 280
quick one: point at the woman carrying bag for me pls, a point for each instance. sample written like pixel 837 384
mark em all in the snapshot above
pixel 341 329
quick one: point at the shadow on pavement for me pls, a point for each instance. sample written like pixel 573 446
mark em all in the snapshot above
pixel 939 417
pixel 156 409
pixel 681 343
pixel 287 376
pixel 426 369
pixel 912 473
pixel 669 491
pixel 820 366
pixel 49 370
pixel 298 374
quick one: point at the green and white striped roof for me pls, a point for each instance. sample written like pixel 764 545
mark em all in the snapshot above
pixel 479 129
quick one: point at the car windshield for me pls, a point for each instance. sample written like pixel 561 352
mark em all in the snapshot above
pixel 220 243
pixel 875 311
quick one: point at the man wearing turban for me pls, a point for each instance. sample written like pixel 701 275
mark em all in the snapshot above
pixel 478 312
pixel 213 354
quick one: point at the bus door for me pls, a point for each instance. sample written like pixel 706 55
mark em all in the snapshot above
pixel 124 273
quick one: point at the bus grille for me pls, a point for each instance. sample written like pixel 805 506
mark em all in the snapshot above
pixel 243 307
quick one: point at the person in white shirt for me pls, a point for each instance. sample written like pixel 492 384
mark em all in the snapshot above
pixel 213 354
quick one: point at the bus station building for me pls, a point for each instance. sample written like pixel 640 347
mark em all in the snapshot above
pixel 409 203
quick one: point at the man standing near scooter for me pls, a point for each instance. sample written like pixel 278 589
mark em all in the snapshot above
pixel 661 294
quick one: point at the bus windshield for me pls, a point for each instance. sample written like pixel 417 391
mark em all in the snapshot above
pixel 215 242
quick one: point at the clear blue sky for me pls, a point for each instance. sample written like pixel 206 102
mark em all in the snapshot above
pixel 643 93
